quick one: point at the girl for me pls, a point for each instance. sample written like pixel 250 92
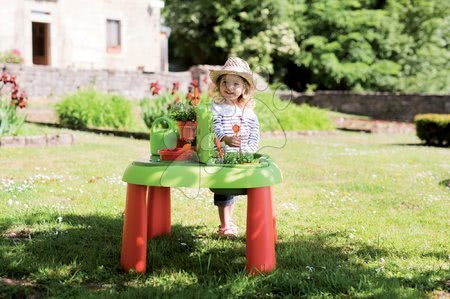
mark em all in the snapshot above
pixel 235 124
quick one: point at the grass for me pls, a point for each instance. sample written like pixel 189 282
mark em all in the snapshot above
pixel 358 216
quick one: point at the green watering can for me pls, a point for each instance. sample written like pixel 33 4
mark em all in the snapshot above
pixel 163 134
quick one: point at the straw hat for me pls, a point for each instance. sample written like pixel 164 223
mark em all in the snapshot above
pixel 234 66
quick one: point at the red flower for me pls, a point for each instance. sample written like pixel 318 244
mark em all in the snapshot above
pixel 155 91
pixel 175 87
pixel 155 87
pixel 5 77
pixel 22 103
pixel 194 83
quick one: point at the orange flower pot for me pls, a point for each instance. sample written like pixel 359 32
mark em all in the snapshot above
pixel 187 130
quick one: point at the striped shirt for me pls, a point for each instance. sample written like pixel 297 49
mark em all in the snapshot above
pixel 225 116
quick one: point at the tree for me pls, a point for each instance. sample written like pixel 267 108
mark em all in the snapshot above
pixel 329 44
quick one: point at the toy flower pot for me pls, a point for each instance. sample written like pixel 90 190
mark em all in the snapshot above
pixel 163 134
pixel 179 154
pixel 187 130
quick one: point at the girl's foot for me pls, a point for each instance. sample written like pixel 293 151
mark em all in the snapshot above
pixel 229 232
pixel 232 225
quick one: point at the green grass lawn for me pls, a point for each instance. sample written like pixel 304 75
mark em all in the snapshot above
pixel 358 215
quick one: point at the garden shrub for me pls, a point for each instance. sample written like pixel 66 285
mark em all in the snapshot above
pixel 275 114
pixel 174 104
pixel 90 108
pixel 154 108
pixel 433 129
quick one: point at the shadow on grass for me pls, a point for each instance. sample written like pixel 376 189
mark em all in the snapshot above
pixel 81 258
pixel 445 183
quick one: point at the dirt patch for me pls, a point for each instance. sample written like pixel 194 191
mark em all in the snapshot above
pixel 20 288
pixel 25 233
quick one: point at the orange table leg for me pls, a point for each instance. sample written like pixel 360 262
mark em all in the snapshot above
pixel 134 238
pixel 274 219
pixel 260 241
pixel 158 211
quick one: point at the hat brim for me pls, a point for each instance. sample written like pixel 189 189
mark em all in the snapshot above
pixel 215 74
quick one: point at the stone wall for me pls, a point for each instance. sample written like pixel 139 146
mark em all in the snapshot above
pixel 45 81
pixel 384 106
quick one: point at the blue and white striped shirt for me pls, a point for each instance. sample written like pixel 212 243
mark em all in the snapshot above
pixel 225 116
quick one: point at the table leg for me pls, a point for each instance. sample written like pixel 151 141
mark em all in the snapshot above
pixel 274 219
pixel 158 211
pixel 134 238
pixel 260 240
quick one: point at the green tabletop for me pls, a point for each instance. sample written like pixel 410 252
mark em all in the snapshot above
pixel 193 174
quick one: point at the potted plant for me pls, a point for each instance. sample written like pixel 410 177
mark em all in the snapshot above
pixel 185 116
pixel 184 113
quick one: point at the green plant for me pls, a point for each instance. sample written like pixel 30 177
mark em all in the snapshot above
pixel 155 108
pixel 11 56
pixel 239 158
pixel 275 114
pixel 182 111
pixel 173 104
pixel 434 129
pixel 90 108
pixel 11 98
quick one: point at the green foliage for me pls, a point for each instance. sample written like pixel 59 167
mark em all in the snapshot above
pixel 367 45
pixel 11 98
pixel 155 108
pixel 239 158
pixel 275 114
pixel 182 111
pixel 90 108
pixel 10 121
pixel 433 129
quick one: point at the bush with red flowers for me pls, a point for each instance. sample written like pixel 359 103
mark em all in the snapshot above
pixel 170 103
pixel 11 98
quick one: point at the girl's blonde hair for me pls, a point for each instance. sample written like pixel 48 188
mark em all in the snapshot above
pixel 246 97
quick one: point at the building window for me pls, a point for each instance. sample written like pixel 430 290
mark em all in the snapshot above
pixel 113 38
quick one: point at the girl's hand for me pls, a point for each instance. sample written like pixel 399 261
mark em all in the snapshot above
pixel 233 141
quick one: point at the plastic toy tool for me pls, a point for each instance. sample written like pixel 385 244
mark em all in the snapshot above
pixel 163 135
pixel 205 132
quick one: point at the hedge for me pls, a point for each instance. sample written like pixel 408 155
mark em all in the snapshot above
pixel 93 109
pixel 433 129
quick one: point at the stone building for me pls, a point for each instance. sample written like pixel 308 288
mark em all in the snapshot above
pixel 86 34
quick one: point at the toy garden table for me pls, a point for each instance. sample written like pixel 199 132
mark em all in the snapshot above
pixel 147 211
